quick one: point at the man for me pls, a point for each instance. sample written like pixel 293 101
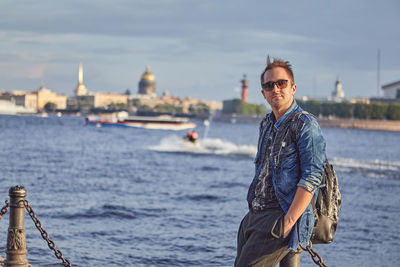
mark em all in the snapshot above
pixel 289 166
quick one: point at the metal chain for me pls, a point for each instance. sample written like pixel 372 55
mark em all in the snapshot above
pixel 4 209
pixel 45 236
pixel 315 256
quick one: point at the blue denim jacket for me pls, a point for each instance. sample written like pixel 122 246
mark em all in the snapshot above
pixel 293 163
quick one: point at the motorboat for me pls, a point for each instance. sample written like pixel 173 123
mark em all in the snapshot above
pixel 163 122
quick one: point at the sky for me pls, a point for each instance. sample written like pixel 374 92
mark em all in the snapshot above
pixel 199 49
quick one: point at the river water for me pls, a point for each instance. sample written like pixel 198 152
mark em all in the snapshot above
pixel 134 197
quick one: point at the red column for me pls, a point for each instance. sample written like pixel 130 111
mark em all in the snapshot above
pixel 244 88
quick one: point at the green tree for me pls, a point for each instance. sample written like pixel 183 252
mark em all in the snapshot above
pixel 168 108
pixel 328 109
pixel 144 107
pixel 239 107
pixel 393 112
pixel 200 108
pixel 378 111
pixel 135 102
pixel 117 106
pixel 343 110
pixel 312 106
pixel 362 111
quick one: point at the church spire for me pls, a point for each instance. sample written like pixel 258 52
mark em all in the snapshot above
pixel 80 75
pixel 80 88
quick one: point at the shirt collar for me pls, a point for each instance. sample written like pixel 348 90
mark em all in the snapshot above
pixel 277 124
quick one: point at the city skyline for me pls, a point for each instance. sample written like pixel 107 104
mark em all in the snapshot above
pixel 198 49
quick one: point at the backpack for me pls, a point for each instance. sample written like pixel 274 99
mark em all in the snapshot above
pixel 326 207
pixel 326 202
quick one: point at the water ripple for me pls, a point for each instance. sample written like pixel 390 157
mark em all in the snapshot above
pixel 111 211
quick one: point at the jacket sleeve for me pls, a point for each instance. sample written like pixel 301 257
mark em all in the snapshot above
pixel 311 147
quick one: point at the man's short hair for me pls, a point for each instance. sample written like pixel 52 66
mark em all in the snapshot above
pixel 277 62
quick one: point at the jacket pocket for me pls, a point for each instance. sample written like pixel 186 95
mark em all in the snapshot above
pixel 288 151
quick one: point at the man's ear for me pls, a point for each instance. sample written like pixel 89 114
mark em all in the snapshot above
pixel 294 87
pixel 263 93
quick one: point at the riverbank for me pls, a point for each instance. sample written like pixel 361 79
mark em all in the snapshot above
pixel 381 125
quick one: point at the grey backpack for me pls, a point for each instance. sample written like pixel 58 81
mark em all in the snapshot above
pixel 326 206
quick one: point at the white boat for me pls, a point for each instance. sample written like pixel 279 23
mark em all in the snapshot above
pixel 164 122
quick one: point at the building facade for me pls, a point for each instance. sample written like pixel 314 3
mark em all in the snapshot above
pixel 45 96
pixel 184 103
pixel 105 99
pixel 36 101
pixel 391 90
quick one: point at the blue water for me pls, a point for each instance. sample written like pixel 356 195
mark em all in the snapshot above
pixel 135 197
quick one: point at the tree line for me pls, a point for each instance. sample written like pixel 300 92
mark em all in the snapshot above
pixel 238 106
pixel 376 111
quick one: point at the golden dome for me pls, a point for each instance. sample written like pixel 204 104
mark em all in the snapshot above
pixel 147 75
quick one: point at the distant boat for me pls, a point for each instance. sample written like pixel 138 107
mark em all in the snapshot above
pixel 164 122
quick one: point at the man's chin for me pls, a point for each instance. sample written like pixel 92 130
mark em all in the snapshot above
pixel 277 102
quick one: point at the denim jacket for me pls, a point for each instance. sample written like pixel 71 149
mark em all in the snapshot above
pixel 294 163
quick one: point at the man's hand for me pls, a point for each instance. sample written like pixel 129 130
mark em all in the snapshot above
pixel 287 226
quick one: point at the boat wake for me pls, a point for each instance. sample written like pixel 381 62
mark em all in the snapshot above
pixel 213 146
pixel 367 168
pixel 216 146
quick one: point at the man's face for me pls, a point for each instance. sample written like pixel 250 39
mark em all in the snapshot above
pixel 279 99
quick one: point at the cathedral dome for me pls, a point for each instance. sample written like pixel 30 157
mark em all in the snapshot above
pixel 147 75
pixel 147 84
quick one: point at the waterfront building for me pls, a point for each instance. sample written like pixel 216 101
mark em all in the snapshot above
pixel 104 99
pixel 185 104
pixel 84 98
pixel 147 84
pixel 97 100
pixel 45 96
pixel 9 107
pixel 391 90
pixel 147 97
pixel 21 98
pixel 338 93
pixel 35 101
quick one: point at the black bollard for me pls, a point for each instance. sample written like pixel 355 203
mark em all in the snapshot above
pixel 16 238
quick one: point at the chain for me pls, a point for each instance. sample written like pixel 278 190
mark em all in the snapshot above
pixel 4 209
pixel 45 236
pixel 315 256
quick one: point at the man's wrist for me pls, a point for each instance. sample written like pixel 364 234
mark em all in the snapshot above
pixel 288 222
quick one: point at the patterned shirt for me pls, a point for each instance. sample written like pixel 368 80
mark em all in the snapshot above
pixel 264 192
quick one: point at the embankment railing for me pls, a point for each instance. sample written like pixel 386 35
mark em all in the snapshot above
pixel 16 237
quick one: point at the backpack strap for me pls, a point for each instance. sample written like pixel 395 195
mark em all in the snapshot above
pixel 262 132
pixel 296 124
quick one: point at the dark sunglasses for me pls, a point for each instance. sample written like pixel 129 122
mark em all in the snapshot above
pixel 269 86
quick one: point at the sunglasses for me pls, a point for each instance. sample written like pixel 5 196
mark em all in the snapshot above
pixel 269 86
